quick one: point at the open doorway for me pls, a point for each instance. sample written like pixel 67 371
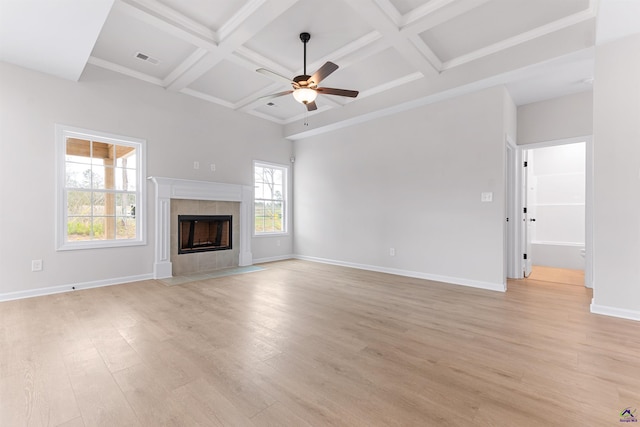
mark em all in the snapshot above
pixel 555 222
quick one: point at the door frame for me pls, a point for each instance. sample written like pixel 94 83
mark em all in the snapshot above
pixel 518 235
pixel 512 181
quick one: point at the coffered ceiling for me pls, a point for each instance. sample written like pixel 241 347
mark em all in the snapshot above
pixel 396 53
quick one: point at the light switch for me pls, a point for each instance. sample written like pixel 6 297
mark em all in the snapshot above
pixel 486 197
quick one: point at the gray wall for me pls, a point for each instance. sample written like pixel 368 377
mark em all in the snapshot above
pixel 555 119
pixel 178 129
pixel 616 141
pixel 412 182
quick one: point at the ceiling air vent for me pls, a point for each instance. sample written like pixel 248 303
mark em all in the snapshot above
pixel 147 58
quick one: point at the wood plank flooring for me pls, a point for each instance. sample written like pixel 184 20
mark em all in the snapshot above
pixel 307 344
pixel 557 275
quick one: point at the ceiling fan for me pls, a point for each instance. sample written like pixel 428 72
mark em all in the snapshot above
pixel 304 87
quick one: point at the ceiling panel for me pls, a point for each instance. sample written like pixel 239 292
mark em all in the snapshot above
pixel 332 26
pixel 210 13
pixel 217 82
pixel 123 36
pixel 282 108
pixel 377 51
pixel 493 22
pixel 374 71
pixel 406 6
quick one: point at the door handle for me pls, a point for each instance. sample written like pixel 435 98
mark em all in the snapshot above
pixel 532 219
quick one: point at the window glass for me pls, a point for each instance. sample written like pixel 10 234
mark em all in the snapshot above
pixel 270 198
pixel 99 189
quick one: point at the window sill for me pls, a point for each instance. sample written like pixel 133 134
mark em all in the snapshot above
pixel 275 234
pixel 73 246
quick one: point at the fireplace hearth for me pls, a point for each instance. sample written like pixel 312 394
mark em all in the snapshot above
pixel 204 233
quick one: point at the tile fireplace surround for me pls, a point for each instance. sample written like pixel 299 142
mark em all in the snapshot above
pixel 171 188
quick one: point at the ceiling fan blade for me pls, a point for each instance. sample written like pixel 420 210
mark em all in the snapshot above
pixel 273 74
pixel 339 92
pixel 275 95
pixel 311 106
pixel 323 72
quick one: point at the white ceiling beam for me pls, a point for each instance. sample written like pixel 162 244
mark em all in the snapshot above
pixel 429 16
pixel 261 14
pixel 164 23
pixel 169 14
pixel 426 51
pixel 549 28
pixel 191 60
pixel 344 55
pixel 124 70
pixel 209 98
pixel 379 19
pixel 250 8
pixel 252 60
pixel 390 85
pixel 424 10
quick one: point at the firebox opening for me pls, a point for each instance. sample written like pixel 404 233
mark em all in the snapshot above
pixel 202 233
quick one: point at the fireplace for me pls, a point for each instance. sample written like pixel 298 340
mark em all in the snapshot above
pixel 204 233
pixel 189 197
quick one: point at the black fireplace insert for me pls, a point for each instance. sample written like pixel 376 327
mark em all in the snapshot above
pixel 203 233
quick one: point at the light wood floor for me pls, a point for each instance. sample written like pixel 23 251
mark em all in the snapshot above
pixel 564 276
pixel 303 344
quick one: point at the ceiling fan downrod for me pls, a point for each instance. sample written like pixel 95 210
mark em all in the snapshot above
pixel 305 37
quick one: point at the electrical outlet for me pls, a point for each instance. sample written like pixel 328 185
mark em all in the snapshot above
pixel 36 265
pixel 213 167
pixel 392 251
pixel 196 165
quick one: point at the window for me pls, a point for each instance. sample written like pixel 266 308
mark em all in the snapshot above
pixel 270 199
pixel 100 180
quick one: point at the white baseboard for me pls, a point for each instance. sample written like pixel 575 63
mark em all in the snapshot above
pixel 500 287
pixel 615 312
pixel 9 296
pixel 273 258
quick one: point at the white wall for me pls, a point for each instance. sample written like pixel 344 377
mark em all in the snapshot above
pixel 178 129
pixel 412 182
pixel 616 142
pixel 556 194
pixel 555 119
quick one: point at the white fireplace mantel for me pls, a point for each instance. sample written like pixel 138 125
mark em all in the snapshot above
pixel 171 188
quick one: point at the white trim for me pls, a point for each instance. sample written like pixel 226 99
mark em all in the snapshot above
pixel 239 18
pixel 500 287
pixel 10 296
pixel 545 242
pixel 285 200
pixel 62 132
pixel 107 65
pixel 588 244
pixel 556 142
pixel 169 21
pixel 171 188
pixel 536 33
pixel 511 209
pixel 622 313
pixel 546 205
pixel 273 258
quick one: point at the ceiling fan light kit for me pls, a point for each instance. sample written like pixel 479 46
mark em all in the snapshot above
pixel 305 87
pixel 305 95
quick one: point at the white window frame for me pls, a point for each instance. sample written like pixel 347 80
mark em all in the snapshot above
pixel 62 243
pixel 285 200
